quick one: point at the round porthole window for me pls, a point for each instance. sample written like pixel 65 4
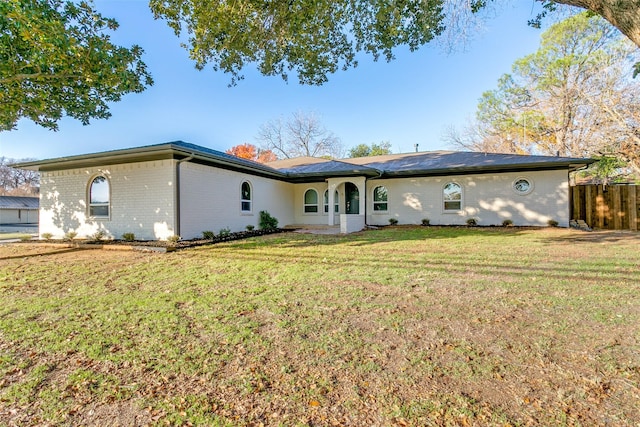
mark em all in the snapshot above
pixel 522 186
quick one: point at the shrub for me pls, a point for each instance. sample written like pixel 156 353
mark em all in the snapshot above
pixel 426 221
pixel 472 222
pixel 267 222
pixel 98 235
pixel 507 223
pixel 249 227
pixel 552 223
pixel 47 236
pixel 129 237
pixel 209 235
pixel 393 221
pixel 173 239
pixel 70 235
pixel 224 232
pixel 25 237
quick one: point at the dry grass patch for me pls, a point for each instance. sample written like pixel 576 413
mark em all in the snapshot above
pixel 405 326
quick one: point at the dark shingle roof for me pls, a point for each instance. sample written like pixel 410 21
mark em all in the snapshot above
pixel 14 202
pixel 306 169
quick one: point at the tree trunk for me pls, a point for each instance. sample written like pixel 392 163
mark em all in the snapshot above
pixel 623 14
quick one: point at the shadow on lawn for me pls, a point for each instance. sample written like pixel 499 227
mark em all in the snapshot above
pixel 41 254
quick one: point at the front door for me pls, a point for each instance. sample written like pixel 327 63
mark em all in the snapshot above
pixel 352 198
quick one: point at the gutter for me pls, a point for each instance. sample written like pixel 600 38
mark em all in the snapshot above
pixel 176 194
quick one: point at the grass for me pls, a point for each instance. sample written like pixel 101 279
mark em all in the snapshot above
pixel 404 326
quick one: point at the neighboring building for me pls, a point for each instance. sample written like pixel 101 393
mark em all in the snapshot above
pixel 183 189
pixel 18 210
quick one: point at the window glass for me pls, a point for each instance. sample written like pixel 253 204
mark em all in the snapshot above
pixel 522 186
pixel 99 197
pixel 245 197
pixel 452 195
pixel 311 201
pixel 336 200
pixel 380 199
pixel 326 201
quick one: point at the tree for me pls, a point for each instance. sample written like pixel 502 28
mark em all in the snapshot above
pixel 315 38
pixel 57 59
pixel 251 152
pixel 573 97
pixel 364 150
pixel 17 182
pixel 301 135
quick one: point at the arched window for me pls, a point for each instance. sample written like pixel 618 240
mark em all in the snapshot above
pixel 311 201
pixel 452 196
pixel 99 197
pixel 326 201
pixel 245 197
pixel 336 201
pixel 380 199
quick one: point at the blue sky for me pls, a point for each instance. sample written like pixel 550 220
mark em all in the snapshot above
pixel 411 100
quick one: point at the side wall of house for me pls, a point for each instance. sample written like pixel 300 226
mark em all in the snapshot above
pixel 490 199
pixel 141 201
pixel 18 216
pixel 210 200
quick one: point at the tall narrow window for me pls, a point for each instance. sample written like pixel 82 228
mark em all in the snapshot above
pixel 336 201
pixel 380 199
pixel 452 197
pixel 245 197
pixel 326 201
pixel 310 201
pixel 99 197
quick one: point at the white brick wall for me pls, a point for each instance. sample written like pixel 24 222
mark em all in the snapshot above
pixel 141 201
pixel 210 200
pixel 488 198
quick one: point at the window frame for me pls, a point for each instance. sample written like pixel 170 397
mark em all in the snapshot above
pixel 91 206
pixel 248 202
pixel 445 200
pixel 384 202
pixel 325 202
pixel 308 207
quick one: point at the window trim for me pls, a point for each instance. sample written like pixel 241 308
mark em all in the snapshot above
pixel 248 201
pixel 519 192
pixel 325 202
pixel 444 201
pixel 306 205
pixel 91 205
pixel 380 202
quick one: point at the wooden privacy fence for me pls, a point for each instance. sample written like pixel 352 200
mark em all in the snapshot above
pixel 613 207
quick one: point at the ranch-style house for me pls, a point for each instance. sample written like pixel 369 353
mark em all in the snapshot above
pixel 177 188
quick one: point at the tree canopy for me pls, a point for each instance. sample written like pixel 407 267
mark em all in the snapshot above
pixel 301 135
pixel 57 59
pixel 574 96
pixel 315 38
pixel 364 150
pixel 251 152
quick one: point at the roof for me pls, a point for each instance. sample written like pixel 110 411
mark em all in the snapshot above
pixel 308 169
pixel 14 202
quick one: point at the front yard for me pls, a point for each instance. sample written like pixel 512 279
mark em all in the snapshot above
pixel 401 326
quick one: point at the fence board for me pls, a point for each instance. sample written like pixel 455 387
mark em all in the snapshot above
pixel 614 207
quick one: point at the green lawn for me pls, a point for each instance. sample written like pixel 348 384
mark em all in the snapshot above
pixel 401 326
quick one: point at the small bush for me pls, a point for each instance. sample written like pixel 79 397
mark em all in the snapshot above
pixel 47 236
pixel 173 239
pixel 552 223
pixel 393 221
pixel 267 222
pixel 129 237
pixel 507 223
pixel 209 235
pixel 472 222
pixel 98 235
pixel 25 237
pixel 224 232
pixel 426 221
pixel 70 235
pixel 249 227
